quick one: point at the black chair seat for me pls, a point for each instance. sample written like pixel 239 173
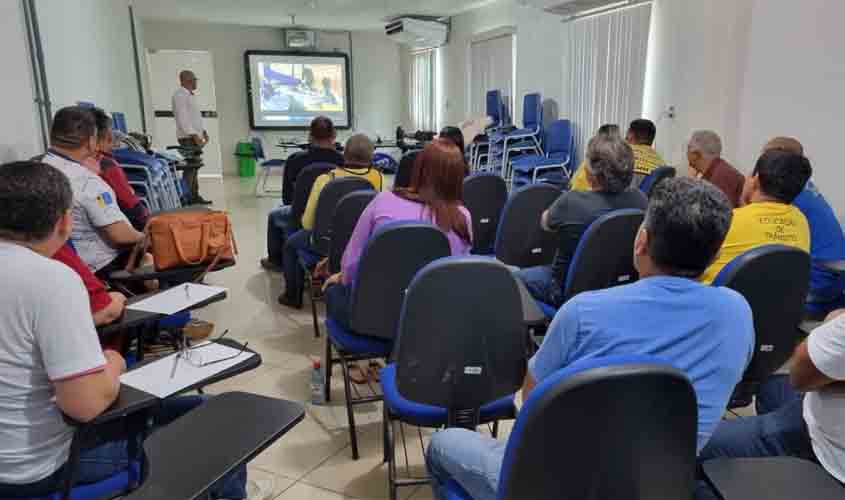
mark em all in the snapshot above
pixel 776 478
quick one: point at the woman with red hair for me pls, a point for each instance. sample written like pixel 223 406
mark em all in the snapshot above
pixel 435 195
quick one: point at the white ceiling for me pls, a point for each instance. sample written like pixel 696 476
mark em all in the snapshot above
pixel 323 14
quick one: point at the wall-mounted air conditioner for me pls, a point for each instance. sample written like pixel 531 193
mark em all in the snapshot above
pixel 418 33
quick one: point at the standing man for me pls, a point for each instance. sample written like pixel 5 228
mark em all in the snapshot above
pixel 192 135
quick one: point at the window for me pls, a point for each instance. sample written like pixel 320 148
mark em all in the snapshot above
pixel 492 68
pixel 423 89
pixel 607 63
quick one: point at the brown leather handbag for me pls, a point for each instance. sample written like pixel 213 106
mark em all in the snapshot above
pixel 185 238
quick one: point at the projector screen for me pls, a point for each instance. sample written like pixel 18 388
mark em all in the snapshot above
pixel 286 90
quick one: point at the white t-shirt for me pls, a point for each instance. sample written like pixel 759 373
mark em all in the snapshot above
pixel 187 114
pixel 46 334
pixel 94 206
pixel 824 410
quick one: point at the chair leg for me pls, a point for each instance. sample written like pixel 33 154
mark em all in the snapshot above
pixel 314 313
pixel 353 437
pixel 495 431
pixel 390 452
pixel 328 364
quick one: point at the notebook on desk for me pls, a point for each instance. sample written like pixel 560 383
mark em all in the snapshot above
pixel 169 375
pixel 176 299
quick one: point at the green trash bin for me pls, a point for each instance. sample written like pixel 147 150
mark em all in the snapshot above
pixel 246 159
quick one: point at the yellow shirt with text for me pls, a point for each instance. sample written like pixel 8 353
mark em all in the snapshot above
pixel 759 224
pixel 369 173
pixel 646 159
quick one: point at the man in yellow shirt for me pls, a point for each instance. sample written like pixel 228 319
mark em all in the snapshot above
pixel 640 136
pixel 358 160
pixel 770 217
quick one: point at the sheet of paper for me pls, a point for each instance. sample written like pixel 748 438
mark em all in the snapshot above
pixel 178 298
pixel 167 376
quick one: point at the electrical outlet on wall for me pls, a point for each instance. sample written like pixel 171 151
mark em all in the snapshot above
pixel 670 112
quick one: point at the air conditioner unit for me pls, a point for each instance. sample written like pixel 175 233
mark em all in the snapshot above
pixel 300 39
pixel 418 33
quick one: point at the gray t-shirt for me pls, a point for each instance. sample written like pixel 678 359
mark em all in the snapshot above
pixel 573 212
pixel 94 207
pixel 824 410
pixel 47 334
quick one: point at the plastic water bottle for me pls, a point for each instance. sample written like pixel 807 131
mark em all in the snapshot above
pixel 318 397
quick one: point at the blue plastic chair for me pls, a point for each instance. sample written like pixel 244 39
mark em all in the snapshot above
pixel 774 279
pixel 626 427
pixel 602 258
pixel 656 176
pixel 119 121
pixel 391 258
pixel 459 352
pixel 495 109
pixel 554 166
pixel 526 140
pixel 266 166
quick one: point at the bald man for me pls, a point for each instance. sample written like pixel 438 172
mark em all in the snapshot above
pixel 190 131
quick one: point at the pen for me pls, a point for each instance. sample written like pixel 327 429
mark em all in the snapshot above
pixel 175 364
pixel 187 292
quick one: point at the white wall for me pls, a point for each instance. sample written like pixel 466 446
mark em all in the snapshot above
pixel 375 75
pixel 697 56
pixel 88 54
pixel 19 128
pixel 794 84
pixel 540 55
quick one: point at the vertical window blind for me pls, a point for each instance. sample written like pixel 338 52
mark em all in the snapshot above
pixel 607 64
pixel 423 87
pixel 491 68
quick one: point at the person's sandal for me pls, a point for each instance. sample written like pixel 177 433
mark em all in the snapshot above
pixel 374 369
pixel 357 375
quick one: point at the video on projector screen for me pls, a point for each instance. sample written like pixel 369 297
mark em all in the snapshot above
pixel 286 90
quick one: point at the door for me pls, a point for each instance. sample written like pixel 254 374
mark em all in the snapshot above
pixel 164 67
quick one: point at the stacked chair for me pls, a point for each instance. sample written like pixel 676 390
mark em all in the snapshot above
pixel 152 179
pixel 527 140
pixel 550 164
pixel 479 150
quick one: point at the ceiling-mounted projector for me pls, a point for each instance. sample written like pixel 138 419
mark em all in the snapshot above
pixel 418 33
pixel 300 39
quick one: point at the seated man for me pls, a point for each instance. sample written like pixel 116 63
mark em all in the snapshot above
pixel 102 234
pixel 788 423
pixel 827 242
pixel 52 363
pixel 358 157
pixel 610 164
pixel 640 137
pixel 704 156
pixel 770 217
pixel 279 222
pixel 706 332
pixel 105 306
pixel 115 177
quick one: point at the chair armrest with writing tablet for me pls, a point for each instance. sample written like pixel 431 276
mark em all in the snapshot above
pixel 187 457
pixel 834 266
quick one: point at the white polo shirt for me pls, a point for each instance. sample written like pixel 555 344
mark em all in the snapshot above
pixel 187 113
pixel 94 207
pixel 47 335
pixel 824 410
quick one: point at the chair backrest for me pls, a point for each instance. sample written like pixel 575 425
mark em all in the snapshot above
pixel 385 163
pixel 390 260
pixel 656 176
pixel 258 148
pixel 302 188
pixel 774 279
pixel 485 195
pixel 119 121
pixel 604 255
pixel 495 107
pixel 346 214
pixel 625 426
pixel 327 203
pixel 461 340
pixel 532 111
pixel 520 240
pixel 405 170
pixel 558 139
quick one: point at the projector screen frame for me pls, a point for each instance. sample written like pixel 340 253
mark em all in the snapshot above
pixel 249 92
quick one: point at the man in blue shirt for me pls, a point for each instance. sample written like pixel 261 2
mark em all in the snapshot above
pixel 827 241
pixel 706 332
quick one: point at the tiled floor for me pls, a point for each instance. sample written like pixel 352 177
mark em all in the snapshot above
pixel 314 460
